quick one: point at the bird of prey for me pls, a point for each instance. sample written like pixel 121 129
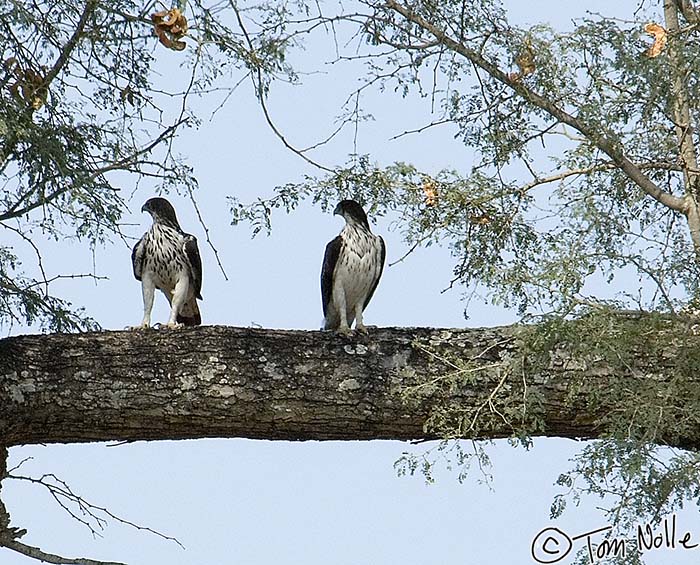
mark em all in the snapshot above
pixel 168 259
pixel 352 265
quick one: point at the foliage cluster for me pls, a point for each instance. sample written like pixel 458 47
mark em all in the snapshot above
pixel 634 375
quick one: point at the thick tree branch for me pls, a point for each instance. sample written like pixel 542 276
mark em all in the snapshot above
pixel 681 101
pixel 683 120
pixel 604 143
pixel 298 385
pixel 688 10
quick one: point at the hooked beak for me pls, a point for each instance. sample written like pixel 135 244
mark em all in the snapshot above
pixel 337 211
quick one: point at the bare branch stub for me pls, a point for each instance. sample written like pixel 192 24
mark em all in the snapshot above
pixel 38 554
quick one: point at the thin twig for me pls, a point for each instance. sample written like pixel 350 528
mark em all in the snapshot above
pixel 63 491
pixel 206 232
pixel 261 97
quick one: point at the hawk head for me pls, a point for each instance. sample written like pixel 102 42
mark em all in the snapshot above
pixel 352 212
pixel 161 211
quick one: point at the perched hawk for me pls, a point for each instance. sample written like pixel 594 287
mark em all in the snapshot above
pixel 168 259
pixel 352 266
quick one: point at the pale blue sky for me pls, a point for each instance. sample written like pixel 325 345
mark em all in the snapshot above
pixel 273 503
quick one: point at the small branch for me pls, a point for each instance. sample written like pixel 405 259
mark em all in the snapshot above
pixel 63 494
pixel 17 466
pixel 36 553
pixel 37 252
pixel 47 282
pixel 415 246
pixel 9 536
pixel 421 129
pixel 489 402
pixel 257 83
pixel 538 181
pixel 594 169
pixel 206 233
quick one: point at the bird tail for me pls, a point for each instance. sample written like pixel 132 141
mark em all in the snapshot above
pixel 189 313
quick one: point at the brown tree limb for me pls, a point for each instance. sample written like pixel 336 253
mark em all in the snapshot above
pixel 36 553
pixel 604 143
pixel 597 168
pixel 298 385
pixel 689 11
pixel 683 120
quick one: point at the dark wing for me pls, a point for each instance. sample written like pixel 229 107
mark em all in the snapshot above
pixel 195 262
pixel 330 259
pixel 382 257
pixel 137 254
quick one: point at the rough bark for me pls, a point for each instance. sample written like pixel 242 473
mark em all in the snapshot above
pixel 292 385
